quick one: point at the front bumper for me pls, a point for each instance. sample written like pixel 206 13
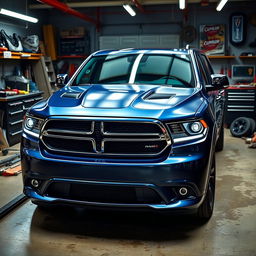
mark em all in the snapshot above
pixel 184 167
pixel 184 205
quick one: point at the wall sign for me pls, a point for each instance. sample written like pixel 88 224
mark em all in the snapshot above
pixel 212 39
pixel 237 28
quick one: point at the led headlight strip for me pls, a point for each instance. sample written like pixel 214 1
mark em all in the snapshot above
pixel 186 131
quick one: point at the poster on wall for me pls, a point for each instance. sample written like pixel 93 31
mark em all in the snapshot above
pixel 212 39
pixel 237 29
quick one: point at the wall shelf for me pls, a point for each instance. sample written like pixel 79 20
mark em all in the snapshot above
pixel 73 57
pixel 221 57
pixel 22 56
pixel 247 57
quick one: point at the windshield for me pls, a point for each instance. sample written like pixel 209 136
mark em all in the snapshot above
pixel 168 70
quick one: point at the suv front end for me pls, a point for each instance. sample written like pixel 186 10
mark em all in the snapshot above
pixel 121 145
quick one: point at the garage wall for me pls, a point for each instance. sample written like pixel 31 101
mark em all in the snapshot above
pixel 116 21
pixel 163 19
pixel 139 41
pixel 22 28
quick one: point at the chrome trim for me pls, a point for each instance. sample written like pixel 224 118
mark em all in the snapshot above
pixel 31 133
pixel 240 93
pixel 127 134
pixel 242 96
pixel 69 132
pixel 237 106
pixel 239 99
pixel 46 134
pixel 195 137
pixel 15 133
pixel 241 110
pixel 134 139
pixel 69 151
pixel 131 134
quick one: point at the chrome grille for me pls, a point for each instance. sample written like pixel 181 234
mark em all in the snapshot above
pixel 104 137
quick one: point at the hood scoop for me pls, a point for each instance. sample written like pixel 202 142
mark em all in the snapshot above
pixel 159 96
pixel 72 95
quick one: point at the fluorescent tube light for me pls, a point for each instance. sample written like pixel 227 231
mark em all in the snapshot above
pixel 129 9
pixel 221 5
pixel 18 15
pixel 182 4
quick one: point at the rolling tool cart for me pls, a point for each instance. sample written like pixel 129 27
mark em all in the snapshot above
pixel 240 101
pixel 14 109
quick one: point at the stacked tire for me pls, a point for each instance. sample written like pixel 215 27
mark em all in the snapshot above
pixel 242 127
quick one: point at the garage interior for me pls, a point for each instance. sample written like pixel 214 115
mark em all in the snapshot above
pixel 69 31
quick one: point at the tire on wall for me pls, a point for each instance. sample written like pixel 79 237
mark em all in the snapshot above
pixel 242 127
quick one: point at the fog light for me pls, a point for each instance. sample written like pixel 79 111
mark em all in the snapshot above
pixel 35 183
pixel 183 191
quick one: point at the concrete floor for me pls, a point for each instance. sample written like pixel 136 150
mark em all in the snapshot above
pixel 10 186
pixel 230 232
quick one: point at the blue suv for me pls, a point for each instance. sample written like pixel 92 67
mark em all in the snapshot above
pixel 132 128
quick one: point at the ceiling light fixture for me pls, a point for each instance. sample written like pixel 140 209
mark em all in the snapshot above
pixel 18 15
pixel 221 5
pixel 182 4
pixel 129 9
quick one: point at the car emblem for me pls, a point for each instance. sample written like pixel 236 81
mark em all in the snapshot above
pixel 98 137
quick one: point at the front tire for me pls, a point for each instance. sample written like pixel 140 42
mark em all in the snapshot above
pixel 220 142
pixel 42 205
pixel 206 208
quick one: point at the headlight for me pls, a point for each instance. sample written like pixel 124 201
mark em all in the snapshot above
pixel 193 127
pixel 32 125
pixel 186 131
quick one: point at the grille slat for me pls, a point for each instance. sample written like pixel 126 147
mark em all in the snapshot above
pixel 98 137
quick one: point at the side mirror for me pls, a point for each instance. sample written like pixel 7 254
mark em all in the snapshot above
pixel 219 82
pixel 62 80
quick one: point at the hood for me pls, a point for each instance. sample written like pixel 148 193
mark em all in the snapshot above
pixel 147 101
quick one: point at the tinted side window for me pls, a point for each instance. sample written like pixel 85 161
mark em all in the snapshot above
pixel 202 72
pixel 207 64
